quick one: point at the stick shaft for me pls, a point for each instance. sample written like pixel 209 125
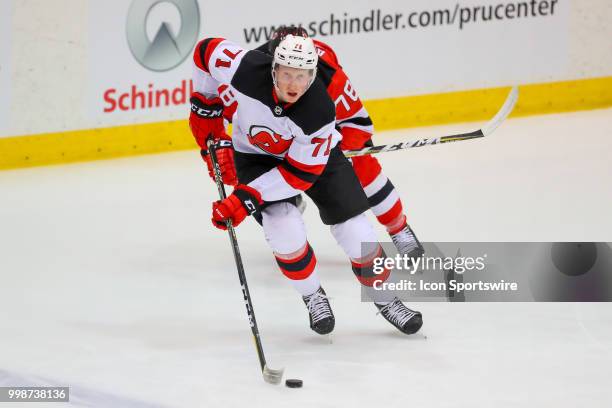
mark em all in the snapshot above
pixel 486 130
pixel 238 259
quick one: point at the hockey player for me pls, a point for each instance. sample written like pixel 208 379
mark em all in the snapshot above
pixel 285 143
pixel 354 124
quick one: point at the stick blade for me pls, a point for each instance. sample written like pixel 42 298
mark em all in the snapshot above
pixel 503 112
pixel 272 376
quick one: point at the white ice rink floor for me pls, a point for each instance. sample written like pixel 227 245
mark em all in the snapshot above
pixel 113 282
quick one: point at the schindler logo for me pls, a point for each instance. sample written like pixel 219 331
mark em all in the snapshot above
pixel 165 51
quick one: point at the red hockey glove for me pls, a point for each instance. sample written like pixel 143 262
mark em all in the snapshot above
pixel 353 139
pixel 206 119
pixel 225 157
pixel 243 201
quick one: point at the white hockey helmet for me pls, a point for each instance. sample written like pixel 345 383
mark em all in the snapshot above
pixel 296 52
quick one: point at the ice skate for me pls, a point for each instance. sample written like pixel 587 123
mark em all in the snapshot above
pixel 321 316
pixel 407 243
pixel 405 320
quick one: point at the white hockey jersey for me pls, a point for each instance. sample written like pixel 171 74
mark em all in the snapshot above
pixel 300 134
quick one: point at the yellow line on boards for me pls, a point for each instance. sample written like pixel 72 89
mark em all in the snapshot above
pixel 94 144
pixel 390 113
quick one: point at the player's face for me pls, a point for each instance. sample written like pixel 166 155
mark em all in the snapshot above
pixel 292 83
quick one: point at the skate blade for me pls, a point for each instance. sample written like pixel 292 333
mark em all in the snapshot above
pixel 272 376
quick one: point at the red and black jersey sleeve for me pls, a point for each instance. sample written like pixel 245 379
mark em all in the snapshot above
pixel 352 119
pixel 203 51
pixel 217 58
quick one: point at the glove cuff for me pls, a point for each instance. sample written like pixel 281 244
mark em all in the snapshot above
pixel 354 139
pixel 224 142
pixel 249 197
pixel 207 108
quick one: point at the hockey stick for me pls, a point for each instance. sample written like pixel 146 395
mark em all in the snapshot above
pixel 270 375
pixel 486 130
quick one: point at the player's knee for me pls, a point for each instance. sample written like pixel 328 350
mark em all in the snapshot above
pixel 284 228
pixel 356 236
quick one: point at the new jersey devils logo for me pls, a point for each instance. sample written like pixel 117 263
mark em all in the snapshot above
pixel 268 140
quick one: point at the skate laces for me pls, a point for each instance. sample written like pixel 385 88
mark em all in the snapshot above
pixel 404 240
pixel 396 312
pixel 318 306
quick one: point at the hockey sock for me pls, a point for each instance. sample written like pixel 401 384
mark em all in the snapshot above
pixel 358 240
pixel 301 271
pixel 365 271
pixel 384 201
pixel 398 225
pixel 286 234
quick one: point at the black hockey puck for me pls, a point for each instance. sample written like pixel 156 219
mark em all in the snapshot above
pixel 294 383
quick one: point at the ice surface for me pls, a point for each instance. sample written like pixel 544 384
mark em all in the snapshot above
pixel 113 282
